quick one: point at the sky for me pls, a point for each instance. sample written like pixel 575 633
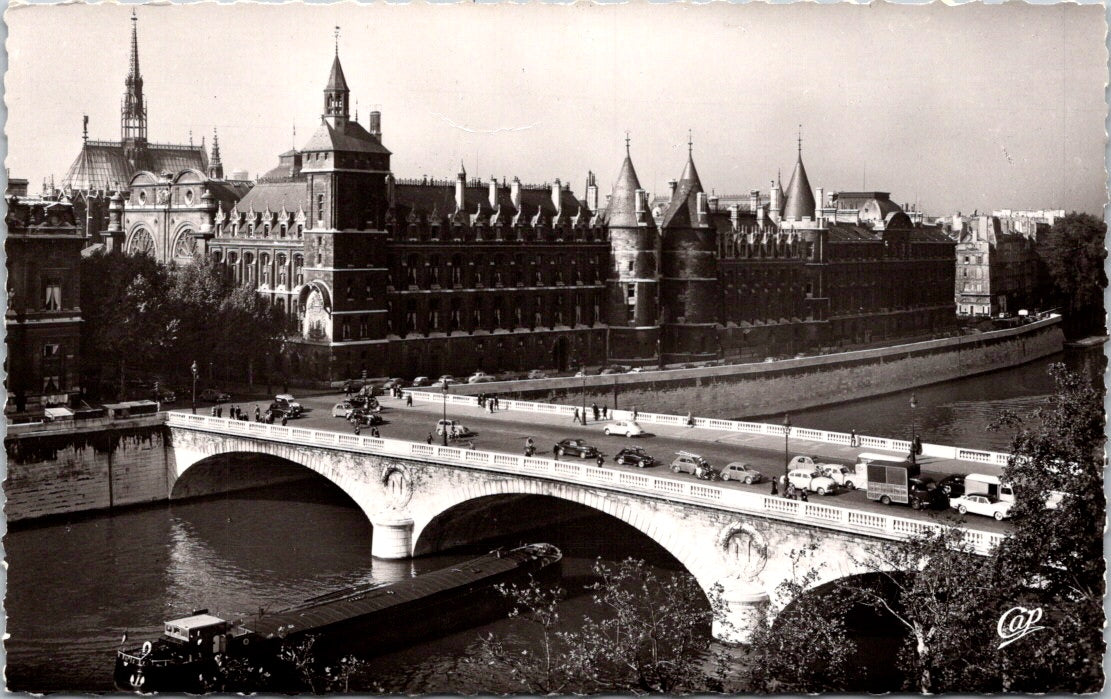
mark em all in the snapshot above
pixel 958 108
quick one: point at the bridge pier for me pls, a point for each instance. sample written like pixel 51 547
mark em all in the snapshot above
pixel 743 602
pixel 392 537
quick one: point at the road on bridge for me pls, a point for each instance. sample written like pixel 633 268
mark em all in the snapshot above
pixel 506 431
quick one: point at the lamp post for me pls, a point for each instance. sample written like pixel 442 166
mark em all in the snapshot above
pixel 786 446
pixel 443 425
pixel 583 372
pixel 913 446
pixel 194 370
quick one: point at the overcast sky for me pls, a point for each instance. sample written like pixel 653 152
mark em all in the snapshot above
pixel 961 108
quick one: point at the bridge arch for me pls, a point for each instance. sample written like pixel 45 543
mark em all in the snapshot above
pixel 692 555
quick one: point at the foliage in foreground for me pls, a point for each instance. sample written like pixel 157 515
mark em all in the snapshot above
pixel 647 633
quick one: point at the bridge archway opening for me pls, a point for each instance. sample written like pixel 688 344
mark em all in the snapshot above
pixel 582 533
pixel 260 476
pixel 878 634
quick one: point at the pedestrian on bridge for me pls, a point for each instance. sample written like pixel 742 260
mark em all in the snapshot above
pixel 576 417
pixel 374 432
pixel 408 400
pixel 852 438
pixel 429 440
pixel 690 420
pixel 594 408
pixel 497 403
pixel 605 412
pixel 775 488
pixel 258 414
pixel 636 413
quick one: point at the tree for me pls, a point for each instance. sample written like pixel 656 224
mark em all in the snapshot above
pixel 1074 255
pixel 806 648
pixel 650 634
pixel 258 330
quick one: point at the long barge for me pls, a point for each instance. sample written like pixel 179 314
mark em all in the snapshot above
pixel 193 650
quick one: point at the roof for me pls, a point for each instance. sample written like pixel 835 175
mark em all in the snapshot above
pixel 800 197
pixel 228 192
pixel 849 233
pixel 336 80
pixel 103 165
pixel 275 195
pixel 348 136
pixel 622 205
pixel 681 213
pixel 437 200
pixel 196 621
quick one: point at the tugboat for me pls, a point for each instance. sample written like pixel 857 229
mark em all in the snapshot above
pixel 365 618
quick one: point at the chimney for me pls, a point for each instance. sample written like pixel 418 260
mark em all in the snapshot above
pixel 640 204
pixel 671 185
pixel 376 124
pixel 515 193
pixel 776 205
pixel 713 200
pixel 735 216
pixel 591 192
pixel 754 200
pixel 700 205
pixel 460 191
pixel 493 192
pixel 557 190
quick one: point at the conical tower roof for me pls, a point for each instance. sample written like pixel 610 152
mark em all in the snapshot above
pixel 336 81
pixel 681 212
pixel 623 204
pixel 800 197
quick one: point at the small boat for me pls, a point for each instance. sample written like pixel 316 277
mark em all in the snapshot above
pixel 361 619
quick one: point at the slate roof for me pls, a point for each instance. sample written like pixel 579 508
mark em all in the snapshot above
pixel 351 137
pixel 102 164
pixel 274 195
pixel 622 206
pixel 437 200
pixel 800 197
pixel 682 212
pixel 336 81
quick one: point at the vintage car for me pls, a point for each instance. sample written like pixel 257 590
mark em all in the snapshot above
pixel 289 405
pixel 625 427
pixel 982 504
pixel 214 396
pixel 575 447
pixel 634 456
pixel 342 409
pixel 812 480
pixel 686 462
pixel 453 429
pixel 740 471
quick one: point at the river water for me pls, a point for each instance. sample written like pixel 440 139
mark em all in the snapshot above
pixel 75 587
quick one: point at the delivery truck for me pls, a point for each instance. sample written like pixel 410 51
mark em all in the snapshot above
pixel 890 481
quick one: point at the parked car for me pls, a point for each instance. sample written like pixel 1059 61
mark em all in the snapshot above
pixel 361 400
pixel 214 396
pixel 447 377
pixel 686 462
pixel 440 383
pixel 291 406
pixel 634 456
pixel 625 427
pixel 420 381
pixel 924 494
pixel 982 504
pixel 352 385
pixel 460 430
pixel 394 383
pixel 575 447
pixel 812 481
pixel 952 485
pixel 536 374
pixel 740 471
pixel 636 370
pixel 480 377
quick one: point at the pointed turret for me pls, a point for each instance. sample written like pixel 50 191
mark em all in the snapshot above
pixel 336 95
pixel 800 197
pixel 623 205
pixel 215 166
pixel 684 210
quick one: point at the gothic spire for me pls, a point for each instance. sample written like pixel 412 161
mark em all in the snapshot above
pixel 134 71
pixel 133 116
pixel 800 197
pixel 215 166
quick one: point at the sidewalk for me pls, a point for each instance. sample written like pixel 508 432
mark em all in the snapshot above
pixel 795 445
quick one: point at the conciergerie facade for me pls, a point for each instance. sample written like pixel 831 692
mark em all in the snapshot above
pixel 394 276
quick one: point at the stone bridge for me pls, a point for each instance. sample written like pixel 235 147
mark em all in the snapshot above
pixel 412 492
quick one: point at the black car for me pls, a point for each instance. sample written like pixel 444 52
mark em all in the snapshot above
pixel 365 417
pixel 634 456
pixel 575 447
pixel 952 486
pixel 924 493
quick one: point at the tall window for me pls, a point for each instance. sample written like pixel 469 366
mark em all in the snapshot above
pixel 320 208
pixel 52 296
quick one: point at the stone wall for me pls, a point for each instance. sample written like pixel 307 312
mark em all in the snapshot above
pixel 774 387
pixel 55 470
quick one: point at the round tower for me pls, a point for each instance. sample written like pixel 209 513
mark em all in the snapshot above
pixel 632 288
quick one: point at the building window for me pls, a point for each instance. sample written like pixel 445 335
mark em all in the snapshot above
pixel 631 294
pixel 362 326
pixel 52 296
pixel 320 208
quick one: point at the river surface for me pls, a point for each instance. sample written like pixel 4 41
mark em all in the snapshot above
pixel 75 587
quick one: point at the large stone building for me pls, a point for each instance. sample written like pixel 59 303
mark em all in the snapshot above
pixel 998 268
pixel 405 277
pixel 43 317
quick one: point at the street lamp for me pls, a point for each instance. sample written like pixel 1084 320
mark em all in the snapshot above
pixel 584 391
pixel 913 445
pixel 194 370
pixel 443 425
pixel 786 446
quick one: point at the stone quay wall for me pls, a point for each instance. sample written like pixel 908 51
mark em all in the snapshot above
pixel 768 388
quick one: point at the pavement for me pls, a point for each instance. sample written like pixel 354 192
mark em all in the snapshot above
pixel 506 431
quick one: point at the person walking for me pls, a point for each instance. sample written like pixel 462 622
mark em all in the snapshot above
pixel 374 432
pixel 605 412
pixel 852 438
pixel 601 460
pixel 497 403
pixel 690 420
pixel 429 440
pixel 775 488
pixel 576 417
pixel 594 409
pixel 284 420
pixel 408 400
pixel 258 414
pixel 356 428
pixel 214 411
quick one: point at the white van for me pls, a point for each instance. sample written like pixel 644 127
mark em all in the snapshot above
pixel 978 483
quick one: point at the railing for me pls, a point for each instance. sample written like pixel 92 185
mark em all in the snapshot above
pixel 900 446
pixel 587 474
